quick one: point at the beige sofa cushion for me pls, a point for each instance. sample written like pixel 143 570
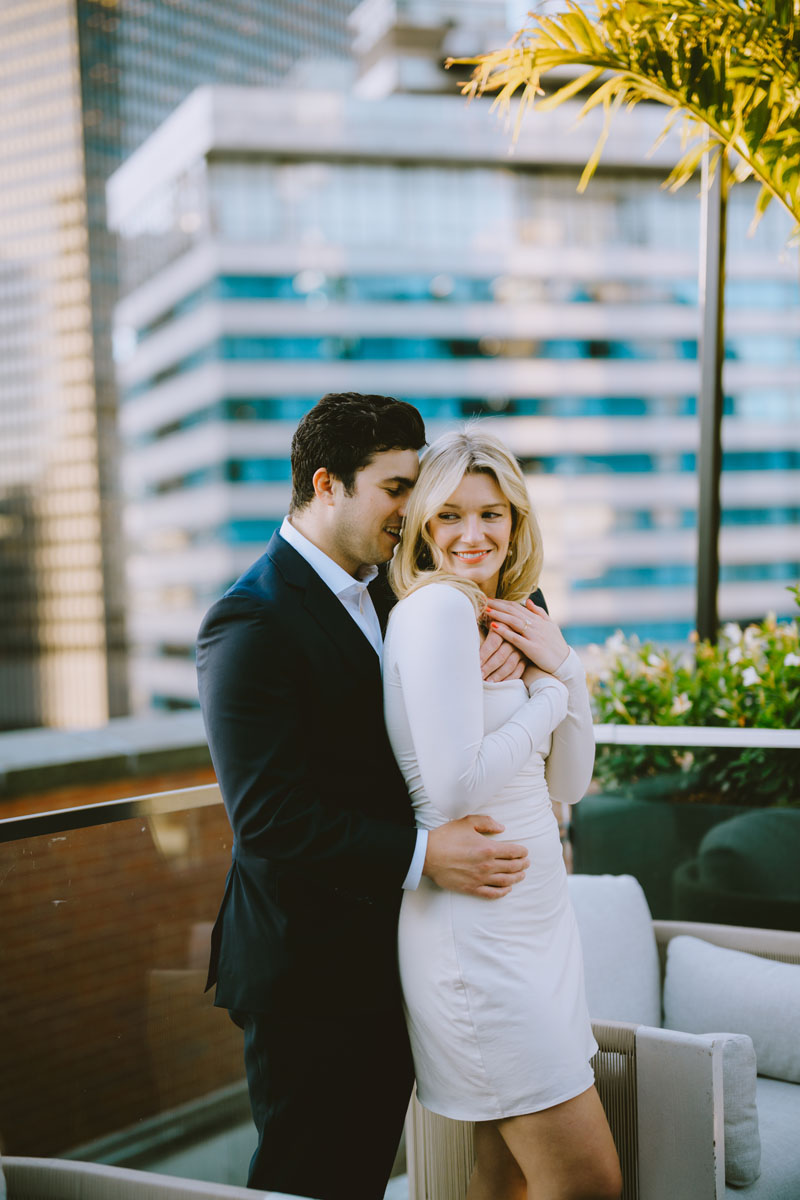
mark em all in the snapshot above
pixel 710 987
pixel 623 981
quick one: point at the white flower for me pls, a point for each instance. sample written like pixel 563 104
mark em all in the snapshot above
pixel 752 637
pixel 791 660
pixel 616 643
pixel 734 656
pixel 680 705
pixel 655 661
pixel 750 677
pixel 732 632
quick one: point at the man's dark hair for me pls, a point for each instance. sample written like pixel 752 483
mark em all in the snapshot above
pixel 343 432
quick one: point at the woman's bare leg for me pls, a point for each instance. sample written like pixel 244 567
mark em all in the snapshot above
pixel 497 1175
pixel 565 1152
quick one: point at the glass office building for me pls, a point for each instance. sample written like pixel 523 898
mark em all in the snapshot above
pixel 82 83
pixel 58 628
pixel 280 244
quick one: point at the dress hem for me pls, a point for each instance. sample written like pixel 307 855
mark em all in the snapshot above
pixel 517 1112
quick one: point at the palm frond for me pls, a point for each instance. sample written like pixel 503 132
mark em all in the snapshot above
pixel 732 67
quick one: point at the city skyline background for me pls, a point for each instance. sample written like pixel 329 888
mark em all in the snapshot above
pixel 358 227
pixel 82 83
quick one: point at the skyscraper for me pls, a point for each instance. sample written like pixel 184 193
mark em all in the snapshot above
pixel 280 243
pixel 82 83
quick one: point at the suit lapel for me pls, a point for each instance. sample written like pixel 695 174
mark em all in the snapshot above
pixel 324 607
pixel 383 597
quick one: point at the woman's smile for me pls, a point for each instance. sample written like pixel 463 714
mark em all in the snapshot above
pixel 473 529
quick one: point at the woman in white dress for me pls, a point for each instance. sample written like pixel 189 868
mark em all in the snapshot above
pixel 493 990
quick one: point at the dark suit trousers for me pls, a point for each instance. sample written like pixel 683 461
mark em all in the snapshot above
pixel 329 1096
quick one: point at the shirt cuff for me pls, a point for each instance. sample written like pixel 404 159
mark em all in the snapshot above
pixel 411 881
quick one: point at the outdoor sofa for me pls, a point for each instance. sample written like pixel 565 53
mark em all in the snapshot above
pixel 687 1107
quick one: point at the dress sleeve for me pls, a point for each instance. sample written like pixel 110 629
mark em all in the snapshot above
pixel 570 763
pixel 436 652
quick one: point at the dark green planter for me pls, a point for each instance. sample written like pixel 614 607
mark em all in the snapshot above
pixel 696 862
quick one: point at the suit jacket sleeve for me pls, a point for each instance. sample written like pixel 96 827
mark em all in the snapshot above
pixel 255 684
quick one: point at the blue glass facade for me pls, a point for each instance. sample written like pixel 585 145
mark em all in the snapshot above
pixel 494 293
pixel 268 409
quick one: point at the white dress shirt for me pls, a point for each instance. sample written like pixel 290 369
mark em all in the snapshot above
pixel 356 599
pixel 352 592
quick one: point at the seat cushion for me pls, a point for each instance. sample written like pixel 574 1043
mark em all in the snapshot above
pixel 779 1122
pixel 619 948
pixel 709 987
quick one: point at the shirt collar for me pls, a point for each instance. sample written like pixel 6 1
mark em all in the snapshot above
pixel 336 578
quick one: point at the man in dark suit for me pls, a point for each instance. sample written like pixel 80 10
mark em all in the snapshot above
pixel 304 947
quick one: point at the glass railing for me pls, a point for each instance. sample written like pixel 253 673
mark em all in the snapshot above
pixel 112 1050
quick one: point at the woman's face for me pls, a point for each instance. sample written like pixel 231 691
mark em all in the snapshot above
pixel 473 531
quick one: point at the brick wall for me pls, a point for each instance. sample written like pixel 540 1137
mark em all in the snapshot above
pixel 103 946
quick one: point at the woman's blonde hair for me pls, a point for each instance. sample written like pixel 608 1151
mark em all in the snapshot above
pixel 418 560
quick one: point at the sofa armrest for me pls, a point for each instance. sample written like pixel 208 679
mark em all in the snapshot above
pixel 440 1154
pixel 662 1095
pixel 615 1079
pixel 681 1135
pixel 46 1178
pixel 779 944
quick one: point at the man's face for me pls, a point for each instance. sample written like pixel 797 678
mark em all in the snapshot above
pixel 366 525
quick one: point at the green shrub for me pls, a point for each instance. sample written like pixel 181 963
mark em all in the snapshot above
pixel 750 679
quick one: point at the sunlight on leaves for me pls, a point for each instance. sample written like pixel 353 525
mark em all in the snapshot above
pixel 730 67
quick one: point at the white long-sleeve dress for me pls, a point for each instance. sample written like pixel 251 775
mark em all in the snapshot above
pixel 493 989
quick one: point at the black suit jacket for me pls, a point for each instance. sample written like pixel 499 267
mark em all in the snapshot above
pixel 323 829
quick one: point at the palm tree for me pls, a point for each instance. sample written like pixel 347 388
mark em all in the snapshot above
pixel 731 70
pixel 730 67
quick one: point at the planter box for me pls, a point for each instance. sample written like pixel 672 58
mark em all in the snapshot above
pixel 696 862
